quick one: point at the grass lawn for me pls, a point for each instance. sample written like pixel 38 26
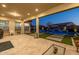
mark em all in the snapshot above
pixel 67 40
pixel 44 35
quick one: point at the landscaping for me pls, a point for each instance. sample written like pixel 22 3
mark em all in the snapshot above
pixel 44 35
pixel 65 40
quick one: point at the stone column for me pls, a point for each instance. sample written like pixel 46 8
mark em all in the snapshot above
pixel 12 27
pixel 22 27
pixel 37 28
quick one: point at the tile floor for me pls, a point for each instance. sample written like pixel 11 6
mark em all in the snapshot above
pixel 28 45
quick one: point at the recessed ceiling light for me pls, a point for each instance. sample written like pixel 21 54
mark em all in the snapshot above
pixel 28 14
pixel 3 5
pixel 36 9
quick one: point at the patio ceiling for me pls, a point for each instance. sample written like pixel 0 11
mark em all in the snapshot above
pixel 24 10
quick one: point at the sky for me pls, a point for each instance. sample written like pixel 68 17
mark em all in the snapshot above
pixel 66 16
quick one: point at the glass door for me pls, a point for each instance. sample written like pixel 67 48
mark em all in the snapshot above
pixel 26 28
pixel 4 25
pixel 18 27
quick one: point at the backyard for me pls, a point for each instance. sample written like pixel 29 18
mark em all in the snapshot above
pixel 65 40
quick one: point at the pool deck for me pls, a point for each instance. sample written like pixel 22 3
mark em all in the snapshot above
pixel 55 37
pixel 28 45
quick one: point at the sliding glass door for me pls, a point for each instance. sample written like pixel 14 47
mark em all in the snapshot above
pixel 18 27
pixel 4 25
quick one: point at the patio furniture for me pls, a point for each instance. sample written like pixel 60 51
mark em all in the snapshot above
pixel 1 33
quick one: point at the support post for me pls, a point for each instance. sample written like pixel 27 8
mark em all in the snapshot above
pixel 22 27
pixel 37 28
pixel 12 27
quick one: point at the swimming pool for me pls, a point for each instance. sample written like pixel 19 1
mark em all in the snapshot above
pixel 57 32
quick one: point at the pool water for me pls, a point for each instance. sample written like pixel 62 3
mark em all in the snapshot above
pixel 58 32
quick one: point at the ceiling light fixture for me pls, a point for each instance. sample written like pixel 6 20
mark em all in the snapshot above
pixel 36 9
pixel 3 5
pixel 28 14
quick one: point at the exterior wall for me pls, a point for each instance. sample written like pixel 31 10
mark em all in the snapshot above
pixel 11 24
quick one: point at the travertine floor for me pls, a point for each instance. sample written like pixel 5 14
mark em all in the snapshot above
pixel 28 45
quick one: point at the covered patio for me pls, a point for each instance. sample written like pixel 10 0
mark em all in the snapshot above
pixel 16 26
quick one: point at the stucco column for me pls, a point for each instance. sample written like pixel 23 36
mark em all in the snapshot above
pixel 37 28
pixel 29 28
pixel 22 27
pixel 12 26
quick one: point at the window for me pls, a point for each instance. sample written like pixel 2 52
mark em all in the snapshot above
pixel 18 27
pixel 4 25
